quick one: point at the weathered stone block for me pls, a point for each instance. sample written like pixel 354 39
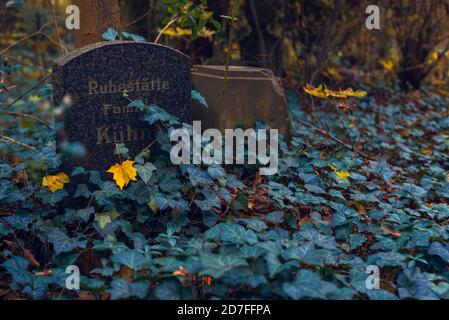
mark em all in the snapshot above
pixel 250 94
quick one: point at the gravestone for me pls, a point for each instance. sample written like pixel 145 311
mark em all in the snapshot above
pixel 250 94
pixel 94 79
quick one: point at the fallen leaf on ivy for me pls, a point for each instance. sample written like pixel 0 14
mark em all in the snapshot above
pixel 360 208
pixel 341 174
pixel 104 219
pixel 86 296
pixel 392 232
pixel 182 272
pixel 45 273
pixel 427 152
pixel 123 173
pixel 304 220
pixel 30 257
pixel 405 133
pixel 127 273
pixel 323 92
pixel 207 280
pixel 343 94
pixel 56 182
pixel 153 205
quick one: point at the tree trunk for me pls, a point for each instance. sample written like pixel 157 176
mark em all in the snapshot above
pixel 96 17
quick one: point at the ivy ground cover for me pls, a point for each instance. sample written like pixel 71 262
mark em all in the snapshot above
pixel 216 232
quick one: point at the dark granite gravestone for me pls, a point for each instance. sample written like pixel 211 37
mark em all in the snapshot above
pixel 94 79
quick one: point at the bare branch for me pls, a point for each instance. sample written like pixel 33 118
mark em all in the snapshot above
pixel 26 116
pixel 26 92
pixel 331 136
pixel 16 142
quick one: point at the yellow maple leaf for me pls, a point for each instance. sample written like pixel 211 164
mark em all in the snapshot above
pixel 434 57
pixel 341 174
pixel 123 173
pixel 321 91
pixel 427 152
pixel 351 93
pixel 177 32
pixel 343 94
pixel 56 182
pixel 388 65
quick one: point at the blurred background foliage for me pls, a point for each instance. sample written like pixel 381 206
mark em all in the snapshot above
pixel 303 41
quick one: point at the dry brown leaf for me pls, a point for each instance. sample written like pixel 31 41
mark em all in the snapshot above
pixel 126 273
pixel 392 232
pixel 45 273
pixel 30 257
pixel 182 272
pixel 84 295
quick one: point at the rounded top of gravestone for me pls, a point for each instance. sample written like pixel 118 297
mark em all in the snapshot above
pixel 129 45
pixel 233 71
pixel 101 79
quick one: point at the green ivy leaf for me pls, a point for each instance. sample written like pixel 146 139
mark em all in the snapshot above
pixel 198 97
pixel 307 284
pixel 62 243
pixel 145 172
pixel 110 34
pixel 217 265
pixel 122 289
pixel 132 259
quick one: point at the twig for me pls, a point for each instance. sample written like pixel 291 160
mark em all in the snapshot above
pixel 14 141
pixel 55 42
pixel 26 116
pixel 26 92
pixel 3 293
pixel 38 32
pixel 164 29
pixel 281 41
pixel 138 19
pixel 331 136
pixel 235 8
pixel 259 33
pixel 148 147
pixel 55 22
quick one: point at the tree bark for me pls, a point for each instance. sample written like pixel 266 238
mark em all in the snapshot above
pixel 96 17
